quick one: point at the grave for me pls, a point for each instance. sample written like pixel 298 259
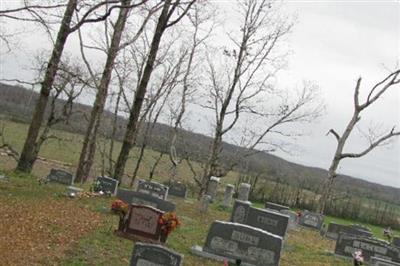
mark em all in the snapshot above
pixel 108 184
pixel 335 229
pixel 382 262
pixel 141 223
pixel 212 187
pixel 130 196
pixel 270 221
pixel 396 241
pixel 154 255
pixel 204 203
pixel 244 192
pixel 346 245
pixel 238 241
pixel 311 220
pixel 274 206
pixel 292 218
pixel 228 194
pixel 60 176
pixel 177 189
pixel 153 188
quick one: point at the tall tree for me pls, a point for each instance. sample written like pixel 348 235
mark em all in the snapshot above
pixel 163 23
pixel 375 140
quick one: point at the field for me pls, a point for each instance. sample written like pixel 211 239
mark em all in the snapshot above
pixel 42 226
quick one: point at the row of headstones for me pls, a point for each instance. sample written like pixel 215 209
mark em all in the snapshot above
pixel 350 238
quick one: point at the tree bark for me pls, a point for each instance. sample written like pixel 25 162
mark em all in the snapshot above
pixel 130 134
pixel 89 142
pixel 28 154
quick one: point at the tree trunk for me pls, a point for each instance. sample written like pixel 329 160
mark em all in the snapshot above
pixel 130 134
pixel 28 154
pixel 89 142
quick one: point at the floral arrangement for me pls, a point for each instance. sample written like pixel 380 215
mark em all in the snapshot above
pixel 169 222
pixel 119 207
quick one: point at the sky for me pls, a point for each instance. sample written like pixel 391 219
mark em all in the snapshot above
pixel 333 44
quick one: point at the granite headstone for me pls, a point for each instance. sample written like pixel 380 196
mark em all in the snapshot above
pixel 135 197
pixel 154 255
pixel 311 220
pixel 61 176
pixel 275 206
pixel 177 189
pixel 155 189
pixel 108 184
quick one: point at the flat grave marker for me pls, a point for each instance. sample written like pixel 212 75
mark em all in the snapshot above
pixel 154 255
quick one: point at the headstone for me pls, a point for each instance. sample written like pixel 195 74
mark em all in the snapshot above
pixel 177 189
pixel 382 262
pixel 108 184
pixel 135 197
pixel 292 218
pixel 212 187
pixel 153 188
pixel 244 191
pixel 142 221
pixel 346 245
pixel 274 206
pixel 396 241
pixel 311 220
pixel 205 201
pixel 335 229
pixel 154 255
pixel 234 241
pixel 270 221
pixel 228 194
pixel 360 227
pixel 60 176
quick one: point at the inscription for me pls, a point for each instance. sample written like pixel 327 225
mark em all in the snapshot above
pixel 366 246
pixel 245 238
pixel 144 220
pixel 267 221
pixel 142 262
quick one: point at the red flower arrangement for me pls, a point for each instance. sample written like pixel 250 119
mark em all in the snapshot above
pixel 169 222
pixel 119 207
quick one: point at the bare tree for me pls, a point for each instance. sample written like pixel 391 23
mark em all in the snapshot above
pixel 243 74
pixel 374 94
pixel 163 23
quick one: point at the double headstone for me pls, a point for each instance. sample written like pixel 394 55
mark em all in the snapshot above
pixel 346 245
pixel 311 220
pixel 135 197
pixel 154 255
pixel 228 194
pixel 274 206
pixel 108 184
pixel 335 229
pixel 270 221
pixel 177 189
pixel 61 176
pixel 153 188
pixel 244 192
pixel 234 241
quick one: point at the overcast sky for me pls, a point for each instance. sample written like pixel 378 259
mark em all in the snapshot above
pixel 333 43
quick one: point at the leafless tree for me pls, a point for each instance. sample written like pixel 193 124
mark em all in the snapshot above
pixel 164 21
pixel 243 73
pixel 375 140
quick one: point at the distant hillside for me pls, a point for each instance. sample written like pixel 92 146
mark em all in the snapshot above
pixel 17 103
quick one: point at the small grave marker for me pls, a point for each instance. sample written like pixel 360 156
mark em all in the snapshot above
pixel 228 194
pixel 177 189
pixel 244 191
pixel 154 255
pixel 311 220
pixel 108 184
pixel 61 176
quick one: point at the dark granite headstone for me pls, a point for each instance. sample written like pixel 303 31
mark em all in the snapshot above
pixel 335 229
pixel 177 189
pixel 382 262
pixel 153 188
pixel 130 196
pixel 270 221
pixel 108 184
pixel 396 241
pixel 274 206
pixel 238 241
pixel 154 255
pixel 311 220
pixel 60 176
pixel 346 245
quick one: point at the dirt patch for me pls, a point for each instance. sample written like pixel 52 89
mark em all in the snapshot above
pixel 39 232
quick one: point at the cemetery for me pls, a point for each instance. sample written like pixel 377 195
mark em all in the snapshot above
pixel 199 133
